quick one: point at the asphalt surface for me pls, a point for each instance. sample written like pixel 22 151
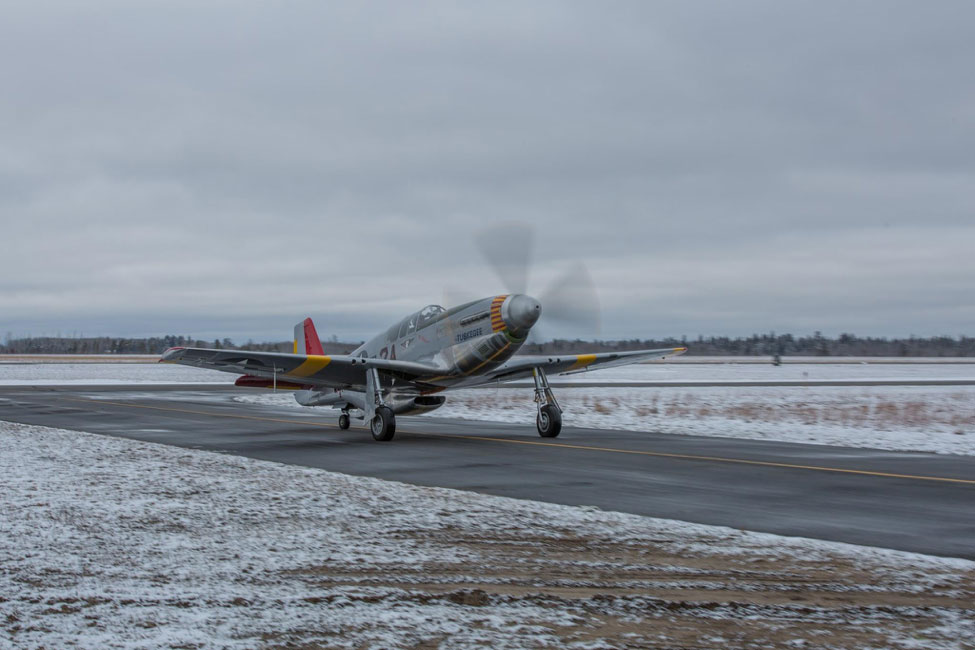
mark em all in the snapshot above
pixel 910 501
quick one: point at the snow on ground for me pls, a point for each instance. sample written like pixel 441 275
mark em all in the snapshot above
pixel 108 542
pixel 767 372
pixel 78 358
pixel 100 373
pixel 931 418
pixel 938 419
pixel 107 373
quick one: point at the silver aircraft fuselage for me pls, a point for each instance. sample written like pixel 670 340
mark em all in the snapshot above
pixel 402 369
pixel 465 341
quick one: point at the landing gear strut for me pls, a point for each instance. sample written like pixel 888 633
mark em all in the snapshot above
pixel 549 419
pixel 382 422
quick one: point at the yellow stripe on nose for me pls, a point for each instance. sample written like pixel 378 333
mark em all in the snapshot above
pixel 310 365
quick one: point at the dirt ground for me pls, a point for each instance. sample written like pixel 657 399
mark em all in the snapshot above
pixel 649 595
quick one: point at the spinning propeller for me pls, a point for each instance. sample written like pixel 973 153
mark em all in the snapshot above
pixel 571 299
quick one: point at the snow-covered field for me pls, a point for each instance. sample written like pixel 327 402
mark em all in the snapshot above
pixel 107 373
pixel 939 419
pixel 673 372
pixel 916 418
pixel 108 542
pixel 128 373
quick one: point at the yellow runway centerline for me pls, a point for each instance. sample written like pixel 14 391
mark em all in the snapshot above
pixel 560 445
pixel 718 459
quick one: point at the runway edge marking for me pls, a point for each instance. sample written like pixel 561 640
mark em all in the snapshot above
pixel 659 454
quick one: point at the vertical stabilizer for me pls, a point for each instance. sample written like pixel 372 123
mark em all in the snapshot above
pixel 306 338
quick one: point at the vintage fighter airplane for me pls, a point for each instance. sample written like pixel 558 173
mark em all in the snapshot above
pixel 401 371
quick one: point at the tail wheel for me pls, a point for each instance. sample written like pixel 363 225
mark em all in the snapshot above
pixel 549 421
pixel 344 421
pixel 383 424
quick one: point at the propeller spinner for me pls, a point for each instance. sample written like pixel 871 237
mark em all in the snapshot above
pixel 522 313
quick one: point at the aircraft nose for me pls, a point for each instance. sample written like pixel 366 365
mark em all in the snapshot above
pixel 523 312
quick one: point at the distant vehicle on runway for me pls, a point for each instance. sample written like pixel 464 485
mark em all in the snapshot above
pixel 402 370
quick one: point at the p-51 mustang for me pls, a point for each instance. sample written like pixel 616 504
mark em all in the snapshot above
pixel 400 371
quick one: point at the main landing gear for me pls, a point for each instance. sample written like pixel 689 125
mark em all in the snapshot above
pixel 382 422
pixel 549 419
pixel 383 425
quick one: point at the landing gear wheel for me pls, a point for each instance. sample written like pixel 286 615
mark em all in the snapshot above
pixel 383 424
pixel 344 421
pixel 549 421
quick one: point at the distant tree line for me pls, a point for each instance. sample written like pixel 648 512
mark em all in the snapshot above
pixel 817 345
pixel 755 345
pixel 151 345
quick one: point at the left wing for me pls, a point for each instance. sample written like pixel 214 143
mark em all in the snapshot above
pixel 569 364
pixel 332 371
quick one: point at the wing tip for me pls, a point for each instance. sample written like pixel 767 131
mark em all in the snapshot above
pixel 170 354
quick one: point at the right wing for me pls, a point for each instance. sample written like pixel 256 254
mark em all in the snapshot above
pixel 569 364
pixel 331 371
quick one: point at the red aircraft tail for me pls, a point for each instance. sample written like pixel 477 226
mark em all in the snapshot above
pixel 306 338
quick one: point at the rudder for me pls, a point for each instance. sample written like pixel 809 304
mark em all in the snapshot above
pixel 306 338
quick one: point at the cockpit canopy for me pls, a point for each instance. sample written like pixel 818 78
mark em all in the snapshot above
pixel 429 313
pixel 414 322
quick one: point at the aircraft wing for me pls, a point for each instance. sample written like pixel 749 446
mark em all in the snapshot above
pixel 569 364
pixel 331 370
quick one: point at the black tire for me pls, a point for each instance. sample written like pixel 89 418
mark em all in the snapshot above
pixel 383 424
pixel 344 421
pixel 549 421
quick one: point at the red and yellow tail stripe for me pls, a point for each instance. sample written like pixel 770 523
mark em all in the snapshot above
pixel 497 324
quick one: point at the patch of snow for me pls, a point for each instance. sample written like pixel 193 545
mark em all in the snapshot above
pixel 110 543
pixel 107 373
pixel 938 419
pixel 668 371
pixel 94 373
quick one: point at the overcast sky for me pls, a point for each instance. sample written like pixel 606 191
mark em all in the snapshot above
pixel 227 168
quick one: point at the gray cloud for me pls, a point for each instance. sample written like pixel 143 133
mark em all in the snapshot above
pixel 224 170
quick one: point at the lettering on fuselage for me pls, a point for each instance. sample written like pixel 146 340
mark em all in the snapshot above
pixel 469 334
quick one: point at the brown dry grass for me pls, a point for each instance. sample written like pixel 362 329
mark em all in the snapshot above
pixel 855 411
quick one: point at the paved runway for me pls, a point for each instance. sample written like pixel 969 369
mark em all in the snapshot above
pixel 905 500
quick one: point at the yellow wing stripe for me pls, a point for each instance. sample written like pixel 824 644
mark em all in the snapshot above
pixel 311 365
pixel 582 360
pixel 488 360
